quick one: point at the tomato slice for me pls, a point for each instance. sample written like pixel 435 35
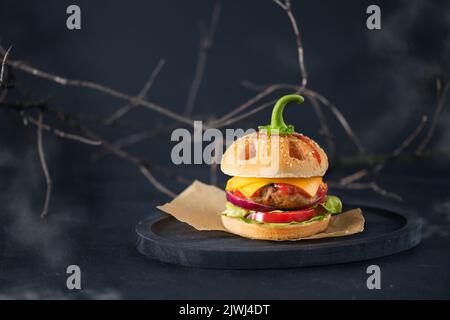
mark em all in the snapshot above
pixel 286 216
pixel 321 192
pixel 288 189
pixel 239 194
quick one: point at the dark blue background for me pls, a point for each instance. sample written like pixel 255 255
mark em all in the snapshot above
pixel 383 81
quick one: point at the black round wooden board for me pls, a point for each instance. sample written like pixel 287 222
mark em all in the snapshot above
pixel 166 239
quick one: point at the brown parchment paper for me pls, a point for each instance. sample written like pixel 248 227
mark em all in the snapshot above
pixel 200 206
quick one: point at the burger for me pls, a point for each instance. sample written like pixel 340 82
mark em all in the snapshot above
pixel 277 191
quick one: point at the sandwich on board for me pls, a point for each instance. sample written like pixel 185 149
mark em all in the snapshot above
pixel 277 190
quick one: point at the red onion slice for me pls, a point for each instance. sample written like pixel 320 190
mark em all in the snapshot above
pixel 247 204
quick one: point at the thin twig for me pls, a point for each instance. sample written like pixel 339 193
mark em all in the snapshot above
pixel 142 165
pixel 286 6
pixel 442 95
pixel 206 42
pixel 351 181
pixel 375 187
pixel 233 120
pixel 236 114
pixel 120 95
pixel 368 186
pixel 3 68
pixel 43 162
pixel 214 166
pixel 405 144
pixel 137 137
pixel 339 116
pixel 61 134
pixel 213 174
pixel 353 177
pixel 266 90
pixel 142 95
pixel 324 128
pixel 158 185
pixel 100 88
pixel 250 102
pixel 3 95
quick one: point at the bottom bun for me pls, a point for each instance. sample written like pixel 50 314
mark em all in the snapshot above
pixel 264 232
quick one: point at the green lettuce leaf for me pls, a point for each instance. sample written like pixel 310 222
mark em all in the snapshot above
pixel 332 204
pixel 285 224
pixel 234 211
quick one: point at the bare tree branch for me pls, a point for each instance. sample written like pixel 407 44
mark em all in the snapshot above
pixel 367 186
pixel 142 95
pixel 405 144
pixel 158 185
pixel 3 94
pixel 100 88
pixel 314 96
pixel 324 128
pixel 61 134
pixel 3 81
pixel 266 90
pixel 143 166
pixel 257 103
pixel 137 137
pixel 351 181
pixel 233 120
pixel 339 116
pixel 286 6
pixel 134 100
pixel 442 95
pixel 206 42
pixel 44 166
pixel 213 174
pixel 260 95
pixel 214 166
pixel 353 177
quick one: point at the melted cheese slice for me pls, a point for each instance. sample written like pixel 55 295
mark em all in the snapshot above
pixel 248 186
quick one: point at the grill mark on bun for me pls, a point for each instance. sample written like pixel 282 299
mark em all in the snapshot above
pixel 309 143
pixel 295 151
pixel 274 156
pixel 249 151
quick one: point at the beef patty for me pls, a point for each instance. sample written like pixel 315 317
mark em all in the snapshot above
pixel 287 197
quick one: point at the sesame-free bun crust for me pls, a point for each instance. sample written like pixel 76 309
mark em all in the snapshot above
pixel 274 156
pixel 264 232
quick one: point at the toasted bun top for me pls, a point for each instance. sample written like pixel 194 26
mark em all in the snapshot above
pixel 274 156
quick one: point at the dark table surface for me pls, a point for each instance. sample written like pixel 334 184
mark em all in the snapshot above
pixel 92 220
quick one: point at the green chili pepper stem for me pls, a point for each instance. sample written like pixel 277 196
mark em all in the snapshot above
pixel 277 113
pixel 277 121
